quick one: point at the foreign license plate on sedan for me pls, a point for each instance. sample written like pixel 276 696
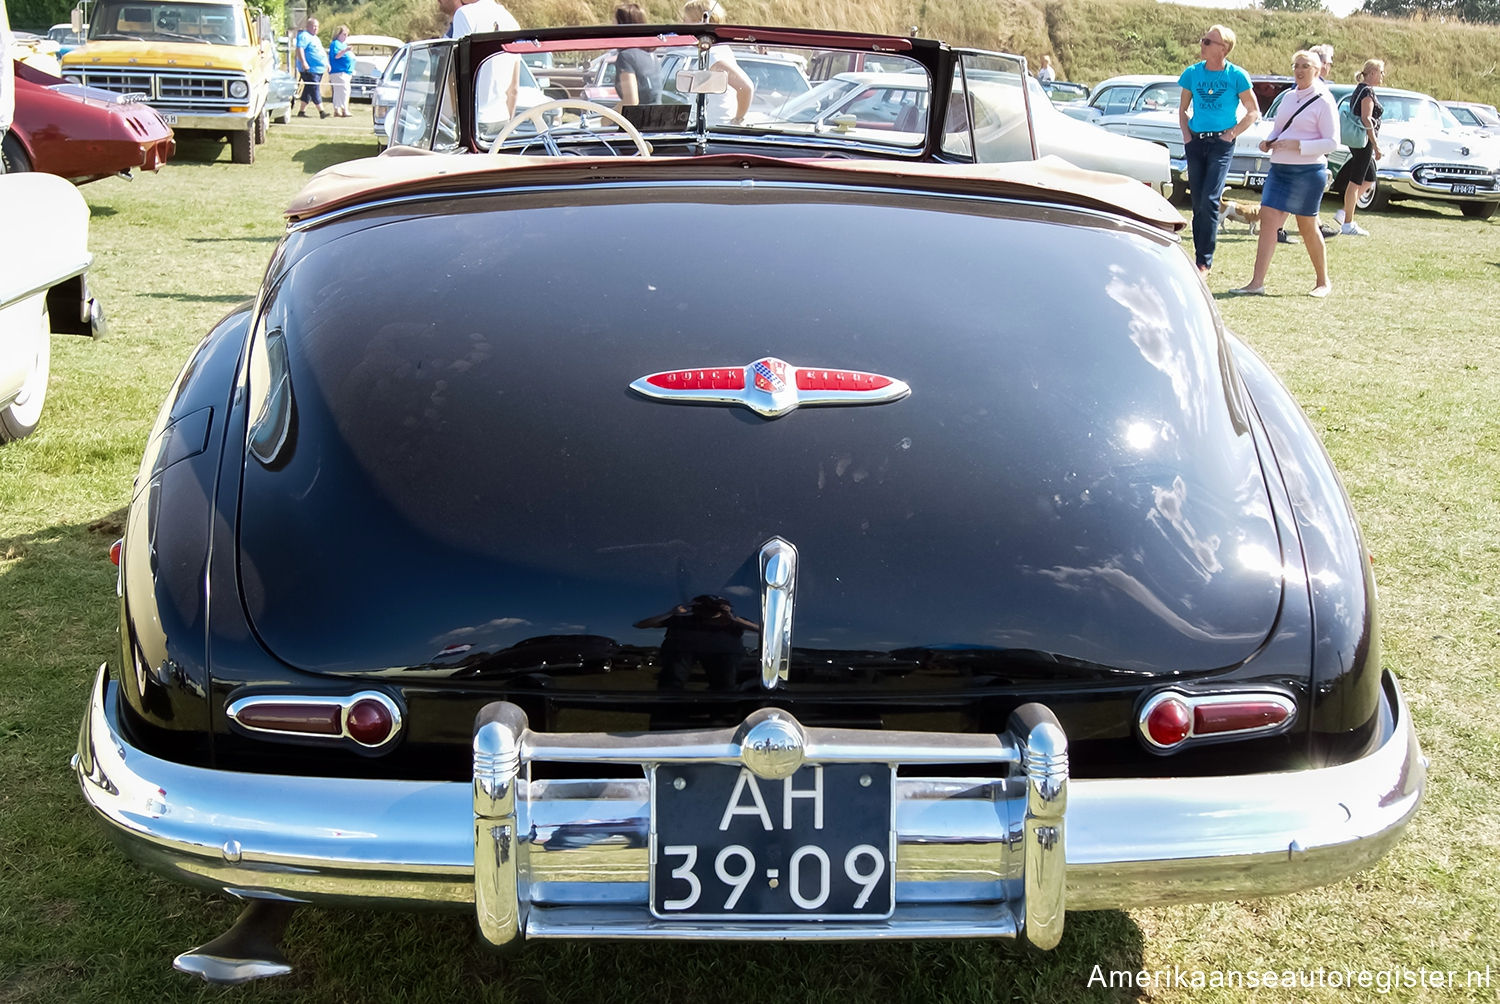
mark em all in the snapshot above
pixel 170 120
pixel 1461 189
pixel 818 845
pixel 1255 181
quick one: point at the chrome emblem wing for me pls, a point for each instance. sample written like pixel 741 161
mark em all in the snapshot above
pixel 770 386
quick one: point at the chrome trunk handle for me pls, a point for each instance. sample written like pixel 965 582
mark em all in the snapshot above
pixel 778 576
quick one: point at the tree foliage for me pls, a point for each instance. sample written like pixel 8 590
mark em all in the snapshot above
pixel 1473 11
pixel 35 15
pixel 1297 5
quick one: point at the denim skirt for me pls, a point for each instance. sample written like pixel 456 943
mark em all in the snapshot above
pixel 1295 188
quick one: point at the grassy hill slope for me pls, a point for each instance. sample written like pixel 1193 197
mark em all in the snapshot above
pixel 1088 39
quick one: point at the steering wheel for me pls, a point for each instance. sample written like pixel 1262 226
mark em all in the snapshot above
pixel 534 115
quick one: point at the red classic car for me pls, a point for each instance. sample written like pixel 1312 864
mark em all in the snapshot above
pixel 81 133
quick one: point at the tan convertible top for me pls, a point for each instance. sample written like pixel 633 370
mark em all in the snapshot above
pixel 399 173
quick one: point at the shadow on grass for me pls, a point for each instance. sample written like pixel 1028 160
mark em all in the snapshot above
pixel 200 150
pixel 270 239
pixel 314 158
pixel 230 298
pixel 443 958
pixel 86 907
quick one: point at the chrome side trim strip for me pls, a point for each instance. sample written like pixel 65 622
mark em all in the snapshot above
pixel 71 271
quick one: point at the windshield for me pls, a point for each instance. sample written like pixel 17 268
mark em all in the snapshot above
pixel 875 98
pixel 209 24
pixel 1419 111
pixel 393 69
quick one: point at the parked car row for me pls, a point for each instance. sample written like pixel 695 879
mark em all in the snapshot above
pixel 1449 152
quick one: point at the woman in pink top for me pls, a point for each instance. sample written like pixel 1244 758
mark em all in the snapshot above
pixel 1304 133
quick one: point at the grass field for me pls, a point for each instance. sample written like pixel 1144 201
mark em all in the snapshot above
pixel 1399 370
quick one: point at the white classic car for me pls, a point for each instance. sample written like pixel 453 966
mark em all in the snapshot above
pixel 1480 117
pixel 1426 154
pixel 898 102
pixel 372 53
pixel 1142 106
pixel 42 289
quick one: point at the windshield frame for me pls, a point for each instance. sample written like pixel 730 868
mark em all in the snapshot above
pixel 936 58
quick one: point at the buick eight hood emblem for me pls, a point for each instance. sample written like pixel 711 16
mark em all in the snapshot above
pixel 770 386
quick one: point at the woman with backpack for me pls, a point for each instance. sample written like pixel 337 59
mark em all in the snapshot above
pixel 1358 173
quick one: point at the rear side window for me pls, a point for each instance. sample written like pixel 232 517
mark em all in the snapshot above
pixel 1115 99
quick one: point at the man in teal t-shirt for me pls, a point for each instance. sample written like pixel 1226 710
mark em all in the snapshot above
pixel 1215 90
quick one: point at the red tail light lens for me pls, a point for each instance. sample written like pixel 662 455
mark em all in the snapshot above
pixel 303 719
pixel 1238 716
pixel 369 719
pixel 114 551
pixel 1169 722
pixel 1171 718
pixel 369 722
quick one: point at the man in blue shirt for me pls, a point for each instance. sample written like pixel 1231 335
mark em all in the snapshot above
pixel 312 64
pixel 1215 90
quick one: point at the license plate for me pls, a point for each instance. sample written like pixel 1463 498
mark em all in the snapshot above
pixel 168 119
pixel 818 845
pixel 1255 180
pixel 1465 190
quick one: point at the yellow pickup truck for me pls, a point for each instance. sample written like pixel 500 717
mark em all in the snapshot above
pixel 205 65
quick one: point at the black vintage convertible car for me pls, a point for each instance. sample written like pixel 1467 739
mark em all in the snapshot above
pixel 868 544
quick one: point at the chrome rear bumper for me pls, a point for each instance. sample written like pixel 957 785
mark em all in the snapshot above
pixel 977 856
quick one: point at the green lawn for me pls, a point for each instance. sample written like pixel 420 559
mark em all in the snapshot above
pixel 1399 370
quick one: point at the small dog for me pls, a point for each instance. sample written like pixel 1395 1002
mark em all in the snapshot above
pixel 1239 212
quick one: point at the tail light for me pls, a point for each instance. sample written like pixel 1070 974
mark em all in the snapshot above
pixel 370 720
pixel 1171 718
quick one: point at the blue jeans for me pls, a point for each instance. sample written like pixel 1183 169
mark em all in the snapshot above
pixel 312 88
pixel 1207 166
